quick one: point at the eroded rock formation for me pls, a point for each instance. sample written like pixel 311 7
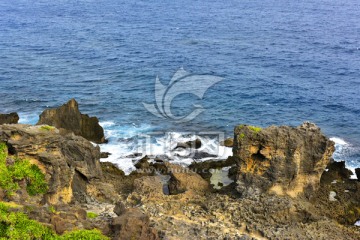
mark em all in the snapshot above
pixel 69 162
pixel 68 117
pixel 283 160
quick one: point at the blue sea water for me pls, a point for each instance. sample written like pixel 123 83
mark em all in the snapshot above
pixel 281 62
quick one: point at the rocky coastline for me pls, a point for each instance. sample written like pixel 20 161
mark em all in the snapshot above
pixel 283 184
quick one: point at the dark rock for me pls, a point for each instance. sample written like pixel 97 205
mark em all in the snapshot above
pixel 119 208
pixel 203 168
pixel 142 163
pixel 195 144
pixel 345 209
pixel 112 169
pixel 133 224
pixel 229 142
pixel 282 160
pixel 162 158
pixel 104 154
pixel 11 118
pixel 134 155
pixel 69 117
pixel 201 155
pixel 335 171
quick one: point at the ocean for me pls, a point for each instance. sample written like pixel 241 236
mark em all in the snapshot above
pixel 280 63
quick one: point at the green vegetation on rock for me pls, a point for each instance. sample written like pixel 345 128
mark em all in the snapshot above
pixel 16 225
pixel 52 209
pixel 20 170
pixel 255 129
pixel 241 136
pixel 47 128
pixel 91 215
pixel 94 234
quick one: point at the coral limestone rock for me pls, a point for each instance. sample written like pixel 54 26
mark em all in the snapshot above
pixel 69 162
pixel 284 160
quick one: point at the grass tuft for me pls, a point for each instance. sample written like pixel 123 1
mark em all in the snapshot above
pixel 91 215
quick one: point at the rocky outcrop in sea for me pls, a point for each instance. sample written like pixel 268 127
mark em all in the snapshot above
pixel 68 118
pixel 10 118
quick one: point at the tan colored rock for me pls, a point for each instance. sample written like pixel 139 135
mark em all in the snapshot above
pixel 69 162
pixel 149 186
pixel 183 179
pixel 282 160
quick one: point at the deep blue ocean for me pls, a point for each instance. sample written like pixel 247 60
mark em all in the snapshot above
pixel 282 62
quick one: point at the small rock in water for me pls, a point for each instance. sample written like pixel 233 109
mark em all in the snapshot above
pixel 196 144
pixel 357 172
pixel 134 155
pixel 229 142
pixel 11 118
pixel 104 154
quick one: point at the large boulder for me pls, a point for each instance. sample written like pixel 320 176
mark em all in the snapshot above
pixel 11 118
pixel 69 162
pixel 283 160
pixel 69 117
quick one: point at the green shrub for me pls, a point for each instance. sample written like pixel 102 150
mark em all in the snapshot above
pixel 17 226
pixel 84 235
pixel 91 215
pixel 20 170
pixel 3 152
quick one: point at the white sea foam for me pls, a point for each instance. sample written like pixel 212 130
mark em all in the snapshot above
pixel 127 140
pixel 338 141
pixel 343 150
pixel 106 124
